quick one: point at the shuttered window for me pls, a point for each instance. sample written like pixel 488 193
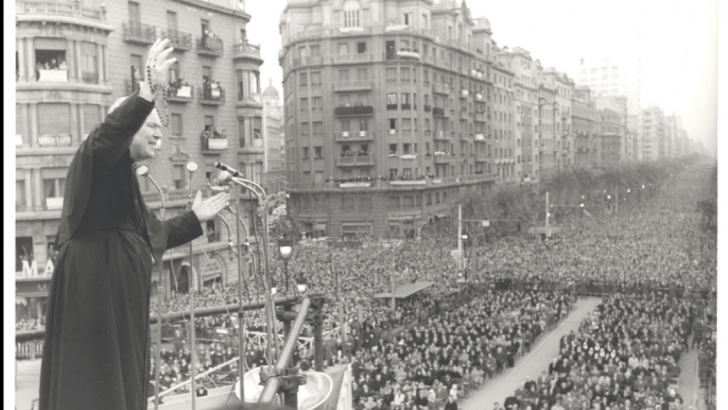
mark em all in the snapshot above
pixel 54 119
pixel 18 120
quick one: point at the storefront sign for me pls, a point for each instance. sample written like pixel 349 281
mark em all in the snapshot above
pixel 30 288
pixel 30 269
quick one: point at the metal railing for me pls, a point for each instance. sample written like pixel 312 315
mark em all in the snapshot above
pixel 69 9
pixel 178 39
pixel 137 32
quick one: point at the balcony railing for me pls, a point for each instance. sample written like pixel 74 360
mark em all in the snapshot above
pixel 438 112
pixel 54 140
pixel 181 94
pixel 136 32
pixel 352 58
pixel 353 86
pixel 464 115
pixel 395 184
pixel 245 50
pixel 464 93
pixel 355 161
pixel 53 76
pixel 210 47
pixel 179 40
pixel 479 116
pixel 90 77
pixel 481 157
pixel 440 135
pixel 362 110
pixel 56 8
pixel 479 96
pixel 443 158
pixel 428 108
pixel 406 106
pixel 212 95
pixel 441 88
pixel 479 137
pixel 354 136
pixel 409 54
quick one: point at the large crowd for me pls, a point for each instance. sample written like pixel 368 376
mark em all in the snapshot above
pixel 453 336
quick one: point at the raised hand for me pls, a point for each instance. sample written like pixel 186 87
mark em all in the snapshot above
pixel 207 209
pixel 156 69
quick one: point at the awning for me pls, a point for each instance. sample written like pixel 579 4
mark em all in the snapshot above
pixel 406 290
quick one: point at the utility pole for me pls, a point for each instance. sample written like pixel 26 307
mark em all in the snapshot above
pixel 460 238
pixel 548 232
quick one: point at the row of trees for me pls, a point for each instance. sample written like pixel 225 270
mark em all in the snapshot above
pixel 512 209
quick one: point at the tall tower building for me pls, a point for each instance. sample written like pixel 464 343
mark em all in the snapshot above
pixel 526 115
pixel 74 60
pixel 563 135
pixel 384 105
pixel 651 133
pixel 610 77
pixel 273 165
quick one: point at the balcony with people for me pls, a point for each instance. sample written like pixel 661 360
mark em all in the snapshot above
pixel 181 41
pixel 179 90
pixel 51 66
pixel 213 141
pixel 345 109
pixel 212 93
pixel 210 44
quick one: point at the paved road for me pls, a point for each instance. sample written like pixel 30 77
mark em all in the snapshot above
pixel 532 364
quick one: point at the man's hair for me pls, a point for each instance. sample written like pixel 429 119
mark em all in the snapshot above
pixel 116 104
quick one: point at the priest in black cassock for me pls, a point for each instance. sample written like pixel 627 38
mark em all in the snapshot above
pixel 95 352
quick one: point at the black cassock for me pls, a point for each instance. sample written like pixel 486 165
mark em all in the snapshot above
pixel 96 347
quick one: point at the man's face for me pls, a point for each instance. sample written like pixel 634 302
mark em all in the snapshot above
pixel 142 147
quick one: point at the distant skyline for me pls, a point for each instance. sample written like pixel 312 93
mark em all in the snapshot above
pixel 675 40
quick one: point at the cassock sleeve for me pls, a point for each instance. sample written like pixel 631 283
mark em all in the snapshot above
pixel 180 229
pixel 112 138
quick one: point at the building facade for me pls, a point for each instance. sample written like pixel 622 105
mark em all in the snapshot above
pixel 526 115
pixel 610 77
pixel 503 121
pixel 273 165
pixel 74 61
pixel 563 135
pixel 548 150
pixel 608 138
pixel 651 133
pixel 384 105
pixel 582 127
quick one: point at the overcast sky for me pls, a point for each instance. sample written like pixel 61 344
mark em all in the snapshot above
pixel 676 41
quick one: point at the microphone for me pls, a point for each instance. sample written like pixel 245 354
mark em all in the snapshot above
pixel 219 165
pixel 224 178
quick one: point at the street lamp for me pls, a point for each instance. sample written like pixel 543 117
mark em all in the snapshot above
pixel 285 248
pixel 273 286
pixel 301 284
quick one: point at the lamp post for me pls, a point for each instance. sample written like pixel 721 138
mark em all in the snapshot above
pixel 285 248
pixel 301 284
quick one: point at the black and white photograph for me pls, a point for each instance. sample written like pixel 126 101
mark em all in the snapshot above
pixel 363 204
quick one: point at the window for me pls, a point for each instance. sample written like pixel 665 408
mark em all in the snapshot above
pixel 241 132
pixel 302 51
pixel 344 75
pixel 318 153
pixel 176 123
pixel 316 103
pixel 361 47
pixel 91 118
pixel 392 101
pixel 343 49
pixel 315 50
pixel 304 104
pixel 315 78
pixel 392 149
pixel 137 74
pixel 20 202
pixel 391 74
pixel 408 201
pixel 304 129
pixel 54 119
pixel 305 152
pixel 361 74
pixel 318 128
pixel 178 176
pixel 303 79
pixel 406 149
pixel 256 128
pixel 405 74
pixel 89 63
pixel 392 125
pixel 23 251
pixel 351 13
pixel 363 125
pixel 212 234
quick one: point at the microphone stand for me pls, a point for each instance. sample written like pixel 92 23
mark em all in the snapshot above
pixel 144 171
pixel 191 168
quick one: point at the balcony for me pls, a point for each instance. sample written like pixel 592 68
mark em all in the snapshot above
pixel 407 54
pixel 464 93
pixel 181 93
pixel 438 112
pixel 210 47
pixel 354 136
pixel 481 157
pixel 428 108
pixel 406 106
pixel 479 137
pixel 355 111
pixel 245 51
pixel 138 33
pixel 443 158
pixel 353 86
pixel 54 140
pixel 53 76
pixel 54 203
pixel 479 116
pixel 213 142
pixel 60 9
pixel 464 115
pixel 440 88
pixel 478 96
pixel 179 40
pixel 352 58
pixel 440 135
pixel 212 95
pixel 90 77
pixel 355 161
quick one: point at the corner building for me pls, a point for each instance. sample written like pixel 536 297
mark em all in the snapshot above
pixel 385 114
pixel 73 60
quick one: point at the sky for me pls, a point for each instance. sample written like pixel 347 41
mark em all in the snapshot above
pixel 676 41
